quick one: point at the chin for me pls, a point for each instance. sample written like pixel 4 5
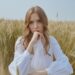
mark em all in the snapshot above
pixel 37 31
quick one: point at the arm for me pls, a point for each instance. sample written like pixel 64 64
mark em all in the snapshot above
pixel 42 72
pixel 21 59
pixel 61 65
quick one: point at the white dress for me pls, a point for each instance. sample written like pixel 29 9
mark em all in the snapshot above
pixel 24 62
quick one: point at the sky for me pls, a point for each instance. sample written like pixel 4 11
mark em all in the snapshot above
pixel 54 9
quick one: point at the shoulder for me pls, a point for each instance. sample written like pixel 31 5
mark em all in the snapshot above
pixel 19 40
pixel 19 45
pixel 52 39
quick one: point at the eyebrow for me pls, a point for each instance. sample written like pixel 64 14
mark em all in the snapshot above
pixel 36 20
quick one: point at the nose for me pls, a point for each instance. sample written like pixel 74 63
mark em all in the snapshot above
pixel 35 25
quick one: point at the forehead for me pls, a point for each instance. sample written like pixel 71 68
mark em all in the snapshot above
pixel 34 17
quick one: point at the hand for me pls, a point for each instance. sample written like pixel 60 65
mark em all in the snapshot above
pixel 36 36
pixel 43 72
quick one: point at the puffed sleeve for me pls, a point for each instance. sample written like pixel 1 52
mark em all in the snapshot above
pixel 61 65
pixel 21 61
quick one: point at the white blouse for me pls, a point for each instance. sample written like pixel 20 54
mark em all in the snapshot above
pixel 24 62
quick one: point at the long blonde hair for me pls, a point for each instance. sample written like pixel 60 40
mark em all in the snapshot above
pixel 28 34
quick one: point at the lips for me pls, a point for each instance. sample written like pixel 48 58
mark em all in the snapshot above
pixel 36 30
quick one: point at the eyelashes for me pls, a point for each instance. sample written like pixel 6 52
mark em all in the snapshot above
pixel 38 21
pixel 31 22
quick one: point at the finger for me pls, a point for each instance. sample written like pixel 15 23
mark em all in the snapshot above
pixel 41 35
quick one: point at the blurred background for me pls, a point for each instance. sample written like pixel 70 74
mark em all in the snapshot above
pixel 61 15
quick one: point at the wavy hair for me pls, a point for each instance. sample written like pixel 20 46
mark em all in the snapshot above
pixel 28 34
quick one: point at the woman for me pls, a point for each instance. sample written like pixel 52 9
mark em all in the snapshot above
pixel 37 53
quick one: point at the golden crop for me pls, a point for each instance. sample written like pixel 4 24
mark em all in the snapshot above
pixel 11 29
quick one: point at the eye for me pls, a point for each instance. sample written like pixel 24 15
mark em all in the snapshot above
pixel 39 20
pixel 31 22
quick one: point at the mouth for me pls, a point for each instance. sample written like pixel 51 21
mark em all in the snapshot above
pixel 36 30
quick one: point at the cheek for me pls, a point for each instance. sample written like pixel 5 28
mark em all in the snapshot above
pixel 41 28
pixel 31 29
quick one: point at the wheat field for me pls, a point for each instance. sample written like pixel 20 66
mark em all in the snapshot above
pixel 11 29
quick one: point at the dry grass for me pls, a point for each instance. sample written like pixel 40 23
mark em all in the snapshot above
pixel 10 30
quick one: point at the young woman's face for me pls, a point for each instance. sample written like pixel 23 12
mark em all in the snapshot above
pixel 35 23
